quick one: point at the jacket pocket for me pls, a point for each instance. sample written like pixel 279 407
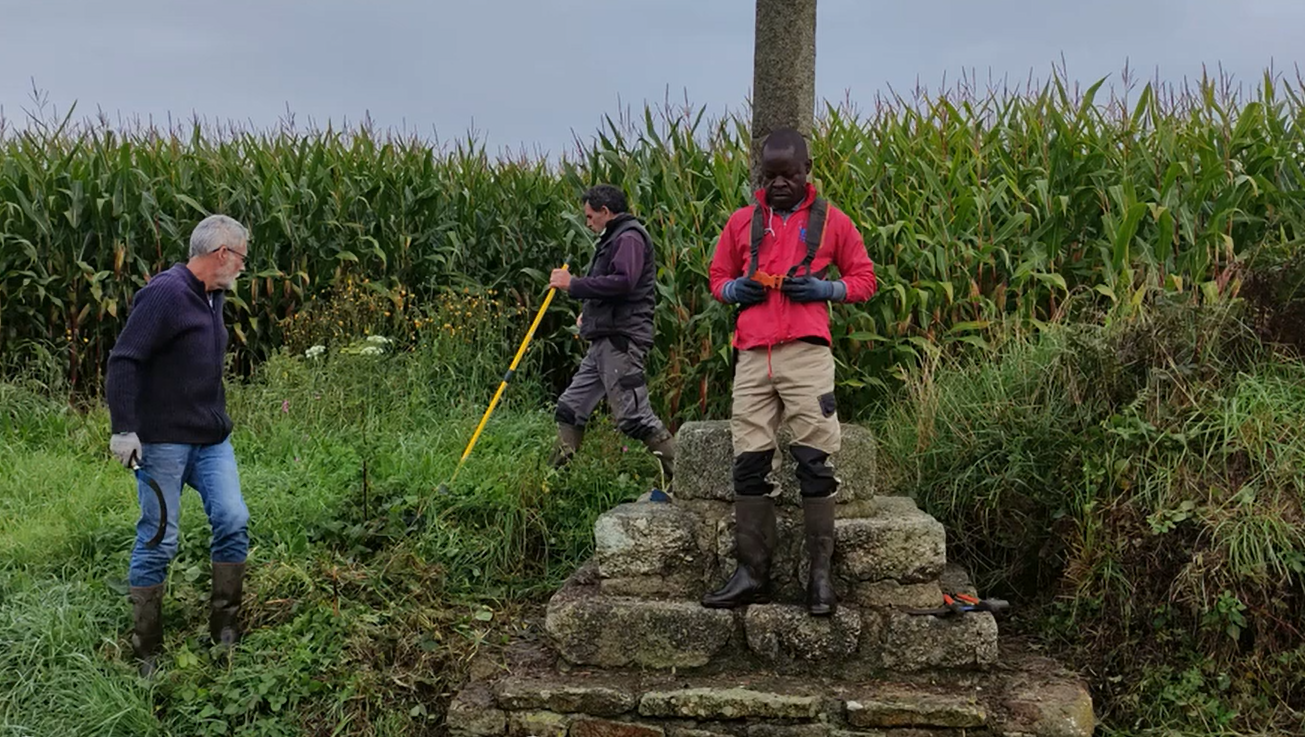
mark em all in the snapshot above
pixel 223 424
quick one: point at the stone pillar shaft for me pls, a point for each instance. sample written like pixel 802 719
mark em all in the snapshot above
pixel 783 70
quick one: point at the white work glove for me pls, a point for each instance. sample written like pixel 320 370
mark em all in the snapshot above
pixel 125 446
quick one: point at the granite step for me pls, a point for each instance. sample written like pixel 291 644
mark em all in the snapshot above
pixel 1029 696
pixel 887 551
pixel 589 628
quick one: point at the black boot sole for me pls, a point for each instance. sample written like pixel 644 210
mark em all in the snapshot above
pixel 748 601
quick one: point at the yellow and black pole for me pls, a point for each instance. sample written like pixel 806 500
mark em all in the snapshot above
pixel 507 378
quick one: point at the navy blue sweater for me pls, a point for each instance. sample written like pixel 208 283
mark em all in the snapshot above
pixel 164 379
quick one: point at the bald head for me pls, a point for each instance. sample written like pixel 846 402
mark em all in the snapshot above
pixel 786 139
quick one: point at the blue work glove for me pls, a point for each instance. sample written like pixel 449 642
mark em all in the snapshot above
pixel 743 291
pixel 813 289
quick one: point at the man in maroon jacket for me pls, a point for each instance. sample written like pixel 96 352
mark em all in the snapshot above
pixel 771 261
pixel 620 293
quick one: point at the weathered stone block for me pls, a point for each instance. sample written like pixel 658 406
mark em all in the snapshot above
pixel 586 727
pixel 684 585
pixel 891 594
pixel 646 539
pixel 919 642
pixel 915 709
pixel 704 461
pixel 727 704
pixel 615 632
pixel 677 731
pixel 601 701
pixel 894 542
pixel 538 724
pixel 877 505
pixel 705 456
pixel 1048 708
pixel 783 633
pixel 789 730
pixel 472 713
pixel 912 732
pixel 826 729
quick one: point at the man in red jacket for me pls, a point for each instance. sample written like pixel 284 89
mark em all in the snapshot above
pixel 772 261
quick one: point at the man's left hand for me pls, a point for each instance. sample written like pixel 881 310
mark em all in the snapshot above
pixel 560 279
pixel 813 289
pixel 125 446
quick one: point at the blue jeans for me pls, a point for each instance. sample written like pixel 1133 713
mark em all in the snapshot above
pixel 210 470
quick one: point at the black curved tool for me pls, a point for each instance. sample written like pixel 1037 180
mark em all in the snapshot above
pixel 163 504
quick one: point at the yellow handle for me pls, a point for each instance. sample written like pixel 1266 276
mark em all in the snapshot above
pixel 503 384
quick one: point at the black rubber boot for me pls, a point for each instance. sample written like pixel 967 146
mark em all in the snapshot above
pixel 147 626
pixel 569 438
pixel 818 519
pixel 754 535
pixel 224 614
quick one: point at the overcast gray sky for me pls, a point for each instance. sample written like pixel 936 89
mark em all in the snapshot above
pixel 533 72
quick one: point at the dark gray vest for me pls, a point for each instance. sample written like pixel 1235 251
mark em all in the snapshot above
pixel 630 316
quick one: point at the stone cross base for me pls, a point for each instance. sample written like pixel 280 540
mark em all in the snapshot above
pixel 627 650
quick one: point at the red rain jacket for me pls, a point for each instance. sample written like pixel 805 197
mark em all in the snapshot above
pixel 779 319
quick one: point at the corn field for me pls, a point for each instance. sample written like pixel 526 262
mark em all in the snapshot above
pixel 977 207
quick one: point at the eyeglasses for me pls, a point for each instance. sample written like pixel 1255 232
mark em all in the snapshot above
pixel 242 256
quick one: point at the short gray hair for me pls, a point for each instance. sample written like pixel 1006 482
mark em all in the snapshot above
pixel 214 232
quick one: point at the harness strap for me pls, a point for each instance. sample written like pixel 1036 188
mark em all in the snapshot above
pixel 815 236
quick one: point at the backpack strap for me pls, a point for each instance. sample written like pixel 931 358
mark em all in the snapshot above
pixel 758 233
pixel 814 239
pixel 815 235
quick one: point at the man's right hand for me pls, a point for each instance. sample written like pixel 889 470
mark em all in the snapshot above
pixel 743 291
pixel 125 446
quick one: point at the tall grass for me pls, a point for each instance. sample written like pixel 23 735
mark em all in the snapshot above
pixel 975 205
pixel 1137 487
pixel 53 677
pixel 369 590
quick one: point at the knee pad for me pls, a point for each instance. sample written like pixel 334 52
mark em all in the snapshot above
pixel 814 474
pixel 635 429
pixel 566 416
pixel 750 472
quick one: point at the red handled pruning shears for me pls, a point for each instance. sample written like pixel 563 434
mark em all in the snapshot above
pixel 954 605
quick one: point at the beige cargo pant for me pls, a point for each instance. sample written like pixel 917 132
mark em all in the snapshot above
pixel 791 383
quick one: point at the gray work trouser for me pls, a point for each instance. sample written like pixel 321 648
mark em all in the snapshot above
pixel 612 369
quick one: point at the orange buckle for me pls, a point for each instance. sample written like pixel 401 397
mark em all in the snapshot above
pixel 770 281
